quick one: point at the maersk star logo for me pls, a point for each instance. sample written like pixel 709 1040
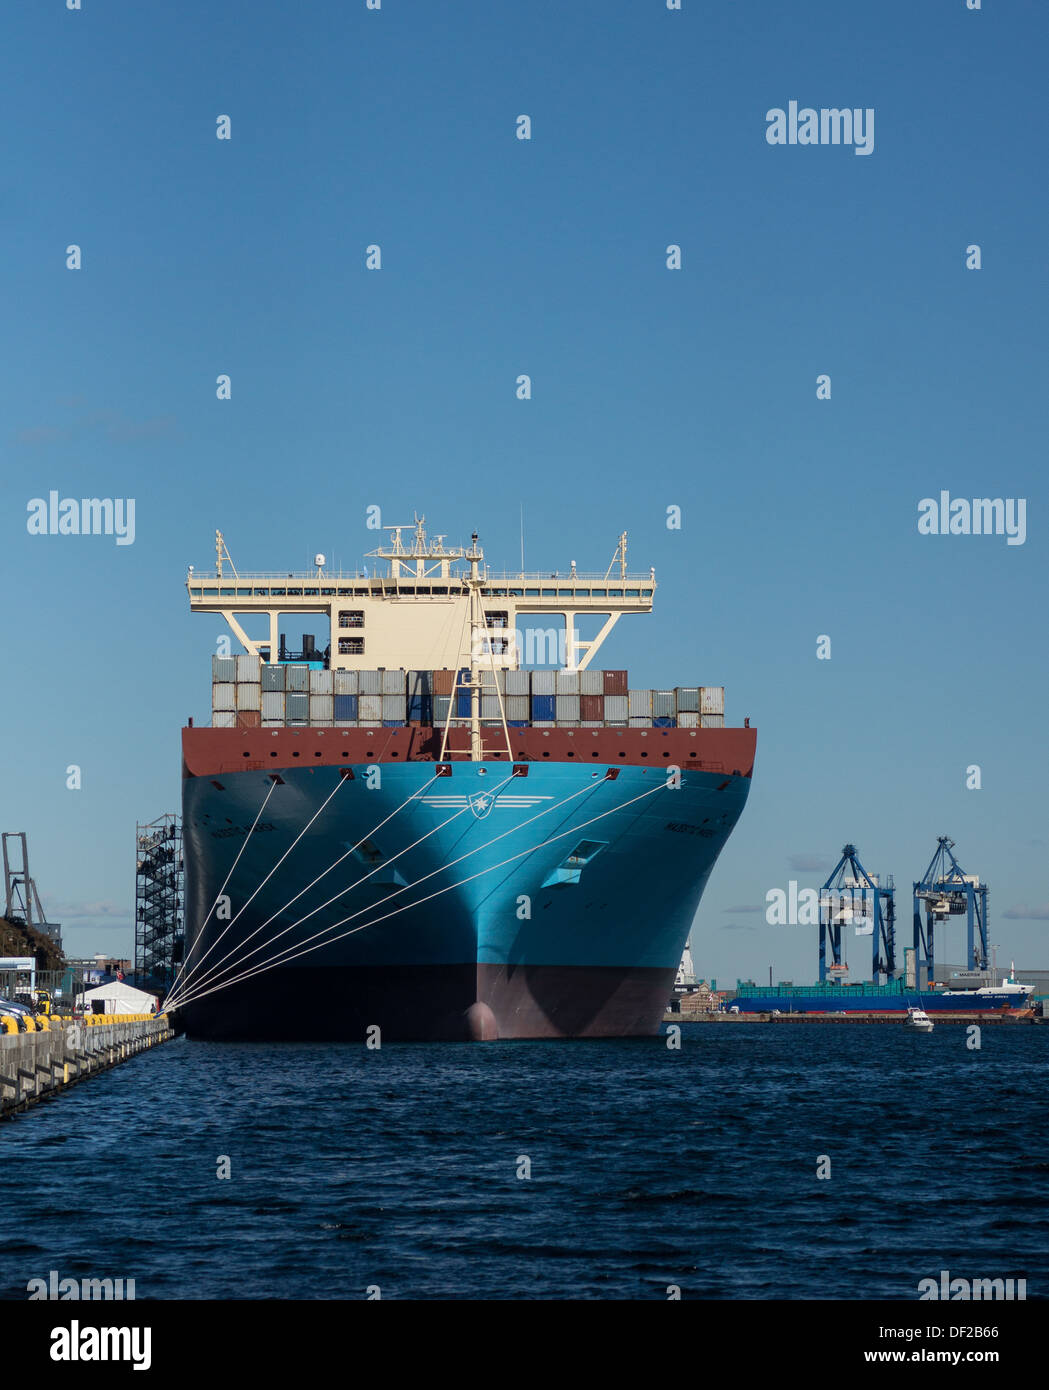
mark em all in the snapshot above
pixel 481 803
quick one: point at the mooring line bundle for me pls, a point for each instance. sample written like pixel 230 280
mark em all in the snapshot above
pixel 216 966
pixel 305 948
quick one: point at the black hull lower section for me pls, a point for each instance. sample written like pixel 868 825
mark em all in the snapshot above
pixel 452 1003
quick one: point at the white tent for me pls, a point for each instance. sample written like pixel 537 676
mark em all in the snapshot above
pixel 118 998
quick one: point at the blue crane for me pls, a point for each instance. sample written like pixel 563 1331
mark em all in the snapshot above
pixel 947 891
pixel 852 895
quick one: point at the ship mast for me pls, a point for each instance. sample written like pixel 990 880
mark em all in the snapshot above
pixel 480 642
pixel 478 633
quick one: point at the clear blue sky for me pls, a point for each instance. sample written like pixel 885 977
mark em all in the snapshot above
pixel 652 388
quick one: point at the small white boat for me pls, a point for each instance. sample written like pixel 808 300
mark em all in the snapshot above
pixel 919 1020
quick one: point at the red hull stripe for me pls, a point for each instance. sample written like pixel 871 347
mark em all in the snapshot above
pixel 209 752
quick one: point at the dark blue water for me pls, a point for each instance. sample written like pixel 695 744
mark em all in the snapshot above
pixel 649 1167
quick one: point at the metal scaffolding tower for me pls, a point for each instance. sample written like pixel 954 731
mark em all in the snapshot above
pixel 852 895
pixel 158 900
pixel 947 891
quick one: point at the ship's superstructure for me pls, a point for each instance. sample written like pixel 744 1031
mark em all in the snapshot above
pixel 417 833
pixel 415 614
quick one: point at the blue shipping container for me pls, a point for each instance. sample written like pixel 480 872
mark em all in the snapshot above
pixel 544 706
pixel 661 723
pixel 346 707
pixel 420 709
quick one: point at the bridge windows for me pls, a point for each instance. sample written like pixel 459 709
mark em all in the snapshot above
pixel 351 617
pixel 351 646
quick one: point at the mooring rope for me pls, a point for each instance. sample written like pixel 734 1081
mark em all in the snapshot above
pixel 335 863
pixel 342 892
pixel 197 964
pixel 440 869
pixel 291 953
pixel 178 978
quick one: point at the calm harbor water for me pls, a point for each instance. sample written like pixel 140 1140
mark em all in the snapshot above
pixel 649 1167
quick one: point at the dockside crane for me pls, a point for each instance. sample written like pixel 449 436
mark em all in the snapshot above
pixel 852 895
pixel 947 891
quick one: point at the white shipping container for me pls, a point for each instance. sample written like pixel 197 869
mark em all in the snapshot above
pixel 223 668
pixel 640 703
pixel 566 682
pixel 248 667
pixel 518 683
pixel 322 709
pixel 224 719
pixel 713 721
pixel 639 721
pixel 224 695
pixel 490 707
pixel 712 700
pixel 566 707
pixel 688 719
pixel 249 696
pixel 591 682
pixel 544 724
pixel 369 709
pixel 322 683
pixel 590 724
pixel 518 707
pixel 272 723
pixel 544 683
pixel 369 683
pixel 346 723
pixel 616 707
pixel 393 683
pixel 273 705
pixel 393 707
pixel 345 683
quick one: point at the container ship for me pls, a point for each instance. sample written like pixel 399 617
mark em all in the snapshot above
pixel 975 997
pixel 432 828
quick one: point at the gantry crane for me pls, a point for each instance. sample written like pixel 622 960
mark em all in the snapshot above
pixel 947 891
pixel 852 895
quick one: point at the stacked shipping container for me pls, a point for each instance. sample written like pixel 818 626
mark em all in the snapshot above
pixel 246 694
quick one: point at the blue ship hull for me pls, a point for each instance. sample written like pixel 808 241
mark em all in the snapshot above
pixel 565 915
pixel 892 999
